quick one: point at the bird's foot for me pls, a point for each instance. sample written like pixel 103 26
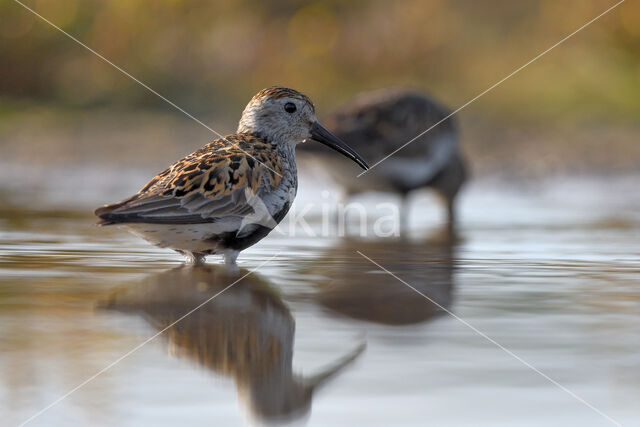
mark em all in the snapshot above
pixel 193 258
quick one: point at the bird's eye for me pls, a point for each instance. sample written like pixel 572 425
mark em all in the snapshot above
pixel 290 107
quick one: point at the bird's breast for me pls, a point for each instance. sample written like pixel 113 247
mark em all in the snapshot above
pixel 283 194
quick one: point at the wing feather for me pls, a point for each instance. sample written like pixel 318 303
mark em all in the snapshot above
pixel 206 186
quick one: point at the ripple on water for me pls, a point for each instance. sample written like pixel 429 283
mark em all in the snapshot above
pixel 552 278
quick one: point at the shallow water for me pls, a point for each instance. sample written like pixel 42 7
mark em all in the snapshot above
pixel 317 333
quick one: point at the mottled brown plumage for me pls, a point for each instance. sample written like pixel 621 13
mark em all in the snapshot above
pixel 221 168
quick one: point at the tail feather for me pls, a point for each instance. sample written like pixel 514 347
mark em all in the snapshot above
pixel 104 212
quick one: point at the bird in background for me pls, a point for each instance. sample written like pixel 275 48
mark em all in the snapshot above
pixel 378 123
pixel 231 193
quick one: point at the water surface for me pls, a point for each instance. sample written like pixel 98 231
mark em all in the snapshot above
pixel 320 335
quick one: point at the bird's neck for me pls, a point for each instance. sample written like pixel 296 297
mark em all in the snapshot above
pixel 287 152
pixel 284 148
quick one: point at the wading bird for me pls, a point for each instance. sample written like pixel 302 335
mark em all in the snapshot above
pixel 232 192
pixel 378 123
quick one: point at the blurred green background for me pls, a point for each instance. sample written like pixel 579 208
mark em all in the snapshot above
pixel 574 110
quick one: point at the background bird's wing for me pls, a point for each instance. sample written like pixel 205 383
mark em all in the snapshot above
pixel 211 184
pixel 378 123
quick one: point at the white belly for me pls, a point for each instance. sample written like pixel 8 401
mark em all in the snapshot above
pixel 185 237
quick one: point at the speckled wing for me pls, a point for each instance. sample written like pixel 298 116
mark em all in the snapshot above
pixel 208 185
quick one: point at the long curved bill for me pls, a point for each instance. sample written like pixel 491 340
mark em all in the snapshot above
pixel 323 136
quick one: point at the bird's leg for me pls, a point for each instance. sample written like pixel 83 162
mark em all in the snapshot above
pixel 230 257
pixel 340 218
pixel 451 211
pixel 405 208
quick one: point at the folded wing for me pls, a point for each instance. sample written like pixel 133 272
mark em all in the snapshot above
pixel 207 186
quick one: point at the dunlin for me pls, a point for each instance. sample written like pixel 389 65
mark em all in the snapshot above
pixel 232 192
pixel 378 123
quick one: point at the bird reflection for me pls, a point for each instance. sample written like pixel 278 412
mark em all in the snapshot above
pixel 354 287
pixel 245 332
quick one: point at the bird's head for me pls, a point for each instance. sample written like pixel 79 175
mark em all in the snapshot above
pixel 286 116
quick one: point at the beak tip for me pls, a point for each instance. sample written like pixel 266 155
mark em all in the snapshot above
pixel 323 136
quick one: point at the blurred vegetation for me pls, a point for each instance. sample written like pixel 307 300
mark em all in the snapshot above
pixel 62 108
pixel 211 56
